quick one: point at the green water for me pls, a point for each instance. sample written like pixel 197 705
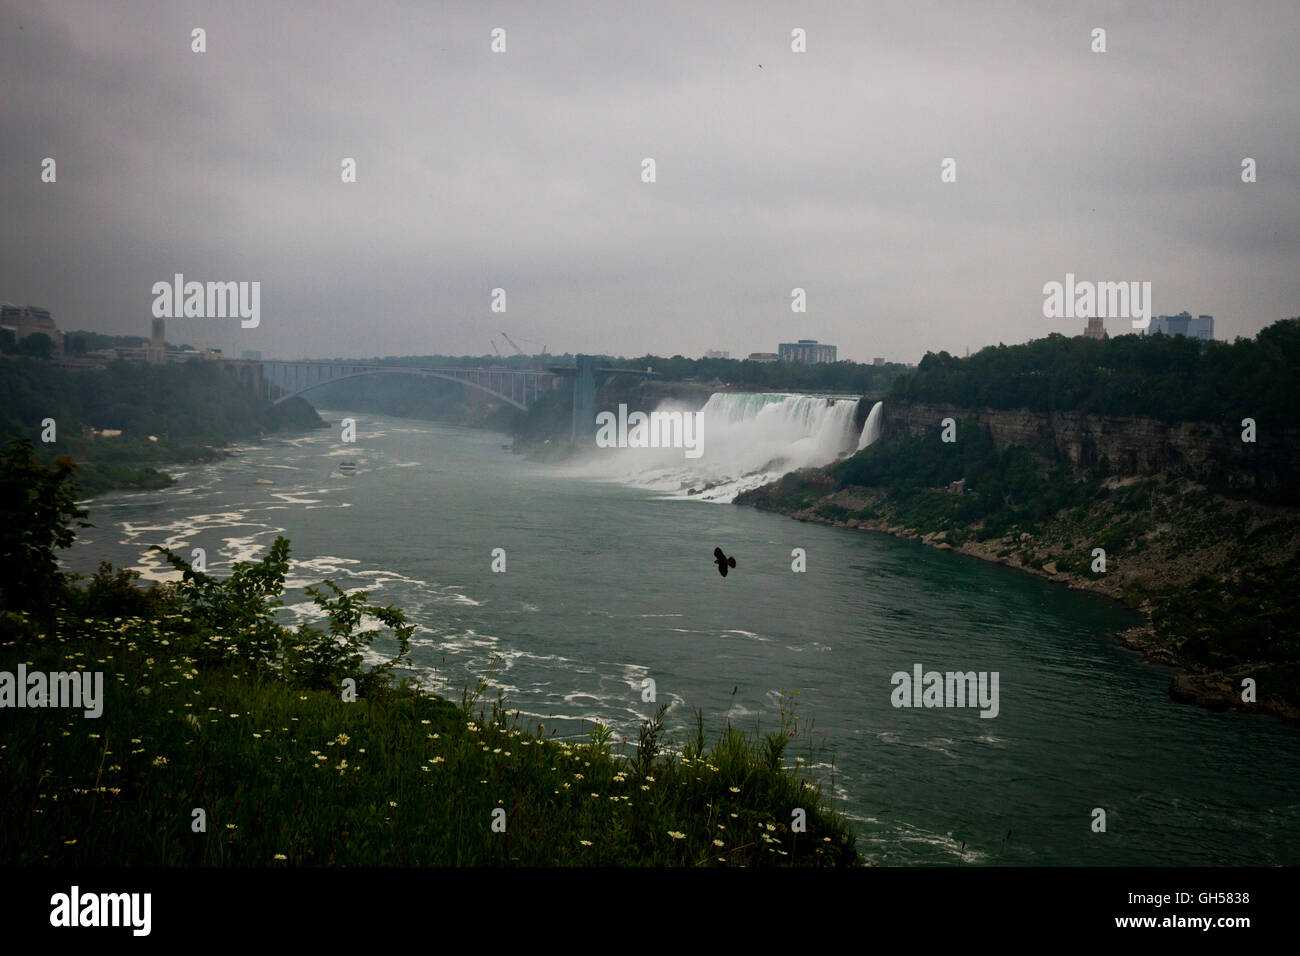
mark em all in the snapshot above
pixel 608 585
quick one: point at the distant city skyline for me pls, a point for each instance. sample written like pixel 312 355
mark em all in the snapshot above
pixel 910 182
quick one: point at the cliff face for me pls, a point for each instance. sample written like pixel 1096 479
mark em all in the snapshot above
pixel 1210 453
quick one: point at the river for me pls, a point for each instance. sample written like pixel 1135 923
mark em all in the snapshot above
pixel 609 582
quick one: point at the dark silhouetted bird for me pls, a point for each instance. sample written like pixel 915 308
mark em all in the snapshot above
pixel 722 561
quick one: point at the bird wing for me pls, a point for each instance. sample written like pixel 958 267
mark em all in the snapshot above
pixel 717 553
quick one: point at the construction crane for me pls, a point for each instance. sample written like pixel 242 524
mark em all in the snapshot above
pixel 518 349
pixel 494 346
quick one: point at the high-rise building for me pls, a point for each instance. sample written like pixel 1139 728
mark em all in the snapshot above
pixel 28 320
pixel 1199 327
pixel 1095 328
pixel 808 351
pixel 156 354
pixel 715 354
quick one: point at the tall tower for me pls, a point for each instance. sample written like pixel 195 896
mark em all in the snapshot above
pixel 157 351
pixel 1095 329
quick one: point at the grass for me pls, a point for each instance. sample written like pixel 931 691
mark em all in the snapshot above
pixel 289 774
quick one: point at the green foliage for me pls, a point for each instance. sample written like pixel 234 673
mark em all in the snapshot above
pixel 38 345
pixel 236 616
pixel 1172 378
pixel 850 377
pixel 1221 623
pixel 186 407
pixel 1004 489
pixel 833 511
pixel 290 775
pixel 113 593
pixel 38 516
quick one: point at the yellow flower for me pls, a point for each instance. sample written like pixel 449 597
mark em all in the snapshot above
pixel 281 856
pixel 676 835
pixel 585 842
pixel 717 843
pixel 735 790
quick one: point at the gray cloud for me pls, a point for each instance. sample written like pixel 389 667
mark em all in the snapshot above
pixel 521 170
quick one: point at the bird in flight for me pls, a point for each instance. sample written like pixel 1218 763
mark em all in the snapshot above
pixel 722 561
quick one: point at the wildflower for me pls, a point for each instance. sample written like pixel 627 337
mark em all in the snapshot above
pixel 342 739
pixel 230 826
pixel 585 842
pixel 280 856
pixel 717 843
pixel 676 835
pixel 160 761
pixel 392 803
pixel 735 790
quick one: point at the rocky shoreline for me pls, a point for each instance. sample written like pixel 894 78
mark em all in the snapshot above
pixel 1212 690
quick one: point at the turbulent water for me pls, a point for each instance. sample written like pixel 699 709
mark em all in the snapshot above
pixel 871 428
pixel 609 583
pixel 748 440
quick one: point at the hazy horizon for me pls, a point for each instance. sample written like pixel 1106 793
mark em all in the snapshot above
pixel 522 170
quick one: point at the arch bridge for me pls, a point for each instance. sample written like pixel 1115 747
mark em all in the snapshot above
pixel 280 381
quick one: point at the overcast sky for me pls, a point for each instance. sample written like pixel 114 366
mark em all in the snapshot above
pixel 523 169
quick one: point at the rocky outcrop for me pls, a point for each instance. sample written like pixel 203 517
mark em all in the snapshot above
pixel 1206 452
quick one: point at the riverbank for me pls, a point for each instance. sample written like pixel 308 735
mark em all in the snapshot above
pixel 1212 577
pixel 215 737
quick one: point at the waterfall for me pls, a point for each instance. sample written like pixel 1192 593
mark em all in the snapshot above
pixel 748 440
pixel 871 430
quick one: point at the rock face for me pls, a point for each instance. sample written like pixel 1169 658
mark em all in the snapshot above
pixel 1204 451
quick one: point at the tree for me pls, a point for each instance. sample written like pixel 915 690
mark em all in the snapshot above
pixel 38 514
pixel 37 345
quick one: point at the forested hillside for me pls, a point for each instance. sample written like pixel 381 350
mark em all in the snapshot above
pixel 1170 378
pixel 188 409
